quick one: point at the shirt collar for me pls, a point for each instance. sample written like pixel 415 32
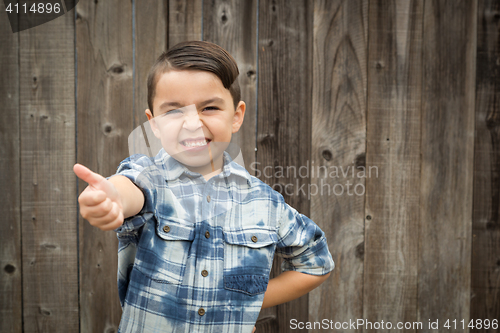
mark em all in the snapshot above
pixel 173 169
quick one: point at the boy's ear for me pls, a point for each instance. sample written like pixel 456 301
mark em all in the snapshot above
pixel 239 114
pixel 152 123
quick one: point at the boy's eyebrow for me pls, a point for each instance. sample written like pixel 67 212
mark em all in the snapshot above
pixel 211 100
pixel 179 105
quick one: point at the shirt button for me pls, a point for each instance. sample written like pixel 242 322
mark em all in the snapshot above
pixel 208 198
pixel 207 234
pixel 254 239
pixel 201 311
pixel 166 228
pixel 204 273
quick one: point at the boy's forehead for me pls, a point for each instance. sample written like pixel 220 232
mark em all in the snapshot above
pixel 188 87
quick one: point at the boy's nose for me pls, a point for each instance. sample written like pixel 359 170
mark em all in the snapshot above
pixel 192 119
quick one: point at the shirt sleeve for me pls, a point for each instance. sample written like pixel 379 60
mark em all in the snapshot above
pixel 302 244
pixel 142 171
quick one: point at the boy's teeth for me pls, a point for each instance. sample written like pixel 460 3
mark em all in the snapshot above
pixel 195 143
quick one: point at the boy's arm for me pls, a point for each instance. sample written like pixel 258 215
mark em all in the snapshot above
pixel 290 285
pixel 131 196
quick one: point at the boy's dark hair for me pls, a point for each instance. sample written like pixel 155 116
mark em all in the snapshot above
pixel 196 55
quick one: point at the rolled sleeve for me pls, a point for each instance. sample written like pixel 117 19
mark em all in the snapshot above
pixel 302 244
pixel 141 170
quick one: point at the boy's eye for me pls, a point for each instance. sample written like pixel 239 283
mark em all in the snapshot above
pixel 172 112
pixel 210 108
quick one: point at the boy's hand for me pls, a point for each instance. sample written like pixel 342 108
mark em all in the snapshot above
pixel 100 202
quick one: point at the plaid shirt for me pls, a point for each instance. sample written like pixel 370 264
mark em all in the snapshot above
pixel 197 258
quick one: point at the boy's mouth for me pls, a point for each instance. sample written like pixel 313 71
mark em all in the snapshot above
pixel 195 143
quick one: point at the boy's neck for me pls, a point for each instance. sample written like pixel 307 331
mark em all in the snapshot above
pixel 211 174
pixel 210 170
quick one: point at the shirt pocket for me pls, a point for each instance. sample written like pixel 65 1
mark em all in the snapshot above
pixel 164 250
pixel 248 258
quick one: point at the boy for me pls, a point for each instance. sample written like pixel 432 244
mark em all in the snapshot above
pixel 197 234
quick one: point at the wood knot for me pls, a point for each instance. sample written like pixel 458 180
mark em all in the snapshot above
pixel 266 138
pixel 360 161
pixel 360 250
pixel 44 312
pixel 223 18
pixel 491 225
pixel 117 69
pixel 327 154
pixel 251 73
pixel 108 128
pixel 9 269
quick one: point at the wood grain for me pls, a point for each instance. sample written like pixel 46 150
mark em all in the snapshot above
pixel 338 141
pixel 393 146
pixel 283 116
pixel 105 119
pixel 485 284
pixel 48 187
pixel 184 21
pixel 447 148
pixel 233 26
pixel 10 218
pixel 151 34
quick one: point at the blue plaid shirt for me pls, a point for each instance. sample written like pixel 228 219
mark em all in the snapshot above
pixel 197 258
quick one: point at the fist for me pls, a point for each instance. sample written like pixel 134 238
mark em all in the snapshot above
pixel 100 202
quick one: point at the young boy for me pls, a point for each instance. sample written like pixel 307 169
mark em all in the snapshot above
pixel 197 233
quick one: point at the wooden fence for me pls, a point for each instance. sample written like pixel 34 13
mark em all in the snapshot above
pixel 405 89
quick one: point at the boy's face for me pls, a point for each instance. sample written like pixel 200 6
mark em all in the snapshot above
pixel 194 117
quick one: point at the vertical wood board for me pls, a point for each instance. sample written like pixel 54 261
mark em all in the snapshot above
pixel 283 116
pixel 485 284
pixel 105 119
pixel 184 21
pixel 338 145
pixel 10 223
pixel 48 187
pixel 393 147
pixel 447 145
pixel 151 35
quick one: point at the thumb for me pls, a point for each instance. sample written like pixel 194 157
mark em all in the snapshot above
pixel 96 181
pixel 85 174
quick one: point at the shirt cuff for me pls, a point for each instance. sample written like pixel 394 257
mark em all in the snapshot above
pixel 315 260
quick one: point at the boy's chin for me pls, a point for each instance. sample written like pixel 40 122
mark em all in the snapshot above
pixel 201 164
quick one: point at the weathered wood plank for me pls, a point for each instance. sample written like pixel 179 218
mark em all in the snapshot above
pixel 10 224
pixel 393 147
pixel 485 300
pixel 283 116
pixel 105 119
pixel 233 26
pixel 338 141
pixel 151 24
pixel 447 148
pixel 184 21
pixel 48 187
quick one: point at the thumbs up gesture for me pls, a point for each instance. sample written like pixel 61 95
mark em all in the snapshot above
pixel 100 202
